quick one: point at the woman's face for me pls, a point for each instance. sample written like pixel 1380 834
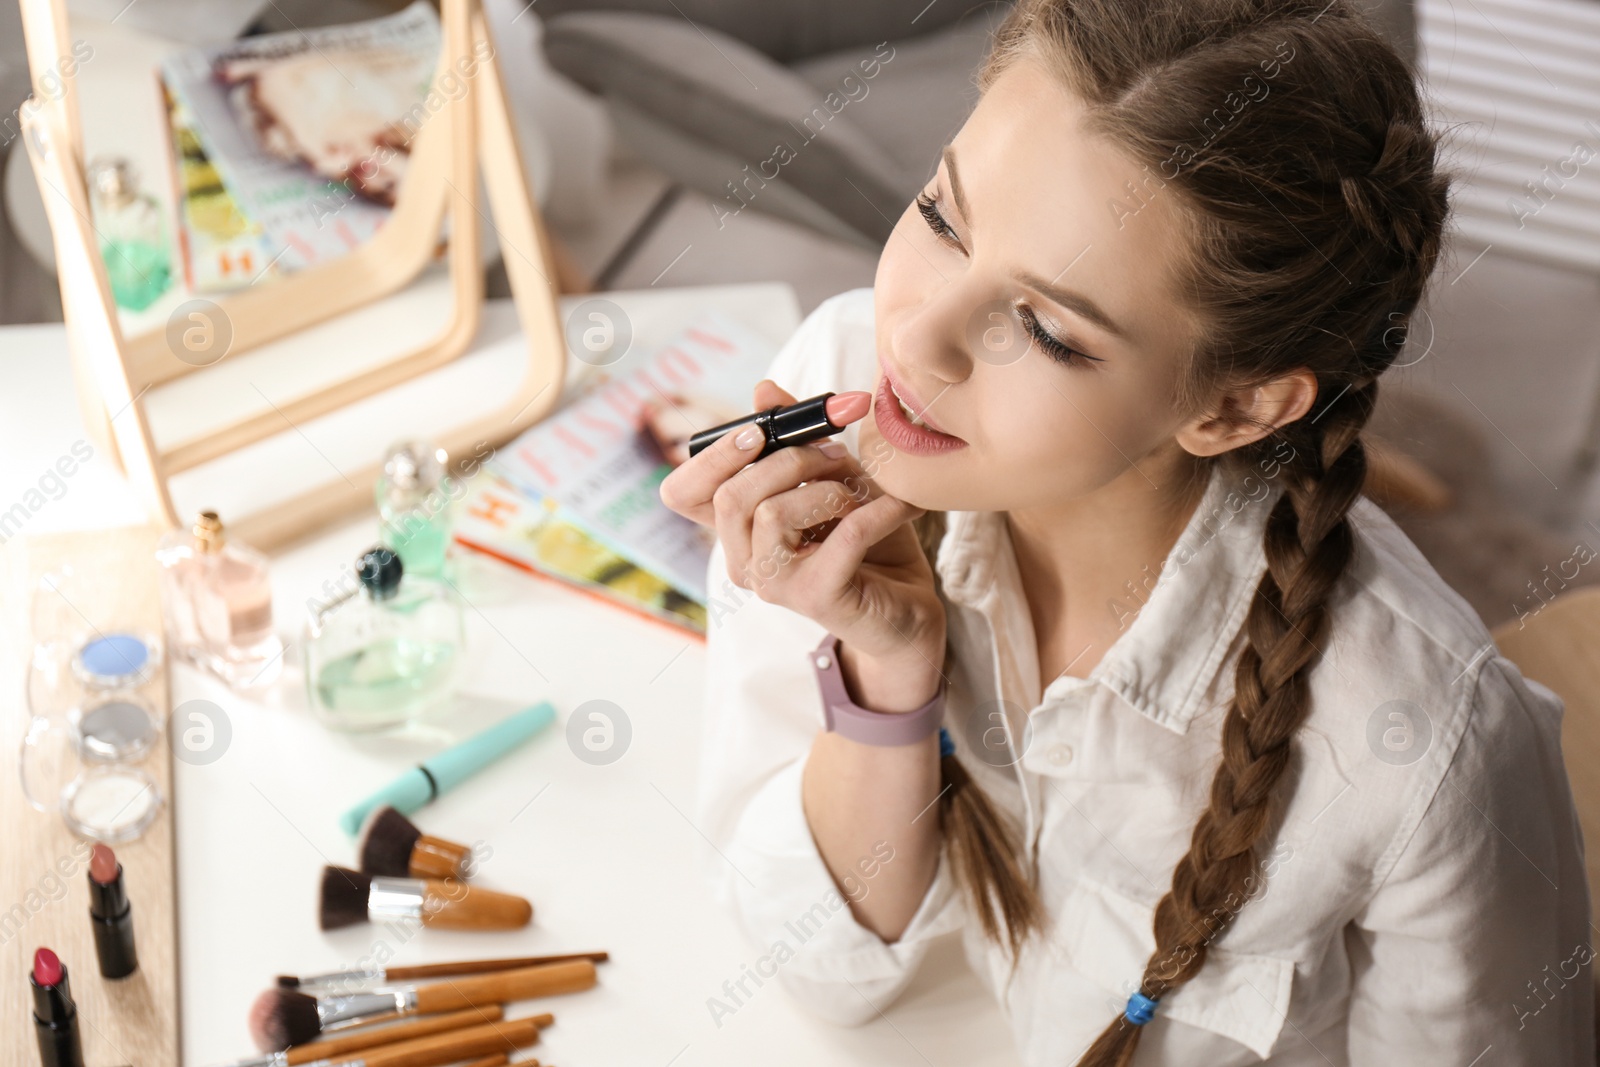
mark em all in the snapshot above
pixel 1029 304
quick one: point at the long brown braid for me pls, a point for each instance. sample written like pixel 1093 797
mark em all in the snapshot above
pixel 1317 209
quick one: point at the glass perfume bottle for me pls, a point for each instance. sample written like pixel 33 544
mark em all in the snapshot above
pixel 218 604
pixel 386 652
pixel 414 503
pixel 133 241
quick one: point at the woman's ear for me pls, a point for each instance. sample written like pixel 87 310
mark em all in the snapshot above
pixel 1242 416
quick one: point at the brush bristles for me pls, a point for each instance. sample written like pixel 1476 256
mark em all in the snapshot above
pixel 282 1017
pixel 344 897
pixel 288 981
pixel 387 847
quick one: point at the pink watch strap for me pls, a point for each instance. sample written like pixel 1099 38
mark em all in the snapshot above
pixel 845 717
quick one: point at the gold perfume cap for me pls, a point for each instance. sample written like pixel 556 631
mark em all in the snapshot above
pixel 207 531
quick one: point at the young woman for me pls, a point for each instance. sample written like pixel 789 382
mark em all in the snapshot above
pixel 1226 773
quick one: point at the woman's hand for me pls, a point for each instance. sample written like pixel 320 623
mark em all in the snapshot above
pixel 813 533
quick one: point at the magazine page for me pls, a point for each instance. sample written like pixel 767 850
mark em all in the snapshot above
pixel 499 520
pixel 222 249
pixel 603 456
pixel 310 130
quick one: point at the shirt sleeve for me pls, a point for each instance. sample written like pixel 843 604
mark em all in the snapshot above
pixel 1479 937
pixel 763 709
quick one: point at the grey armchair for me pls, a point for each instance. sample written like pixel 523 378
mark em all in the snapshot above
pixel 829 113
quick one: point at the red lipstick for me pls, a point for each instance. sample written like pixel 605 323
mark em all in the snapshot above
pixel 55 1017
pixel 47 969
pixel 799 423
pixel 111 914
pixel 901 432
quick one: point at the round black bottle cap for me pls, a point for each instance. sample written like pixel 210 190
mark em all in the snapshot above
pixel 379 571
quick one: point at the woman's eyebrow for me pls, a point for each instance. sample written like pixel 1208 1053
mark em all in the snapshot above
pixel 1067 298
pixel 949 157
pixel 1075 302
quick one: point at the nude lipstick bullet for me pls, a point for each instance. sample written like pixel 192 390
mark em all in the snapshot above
pixel 111 914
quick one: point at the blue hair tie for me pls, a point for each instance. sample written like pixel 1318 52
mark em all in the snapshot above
pixel 1140 1009
pixel 947 747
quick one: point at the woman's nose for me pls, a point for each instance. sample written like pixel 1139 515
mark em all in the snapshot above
pixel 933 341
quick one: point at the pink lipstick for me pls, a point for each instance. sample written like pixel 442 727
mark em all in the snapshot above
pixel 799 423
pixel 901 432
pixel 55 1017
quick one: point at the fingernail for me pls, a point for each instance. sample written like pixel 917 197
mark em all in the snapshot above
pixel 831 449
pixel 749 437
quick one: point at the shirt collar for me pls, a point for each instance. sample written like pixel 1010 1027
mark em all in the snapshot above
pixel 1163 663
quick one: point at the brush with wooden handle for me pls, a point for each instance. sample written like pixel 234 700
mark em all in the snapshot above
pixel 374 1036
pixel 353 896
pixel 391 845
pixel 505 1036
pixel 281 1018
pixel 351 980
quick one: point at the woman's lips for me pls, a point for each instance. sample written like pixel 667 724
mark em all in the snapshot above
pixel 901 432
pixel 912 401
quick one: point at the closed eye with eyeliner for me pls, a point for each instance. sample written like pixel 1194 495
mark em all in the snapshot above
pixel 1052 346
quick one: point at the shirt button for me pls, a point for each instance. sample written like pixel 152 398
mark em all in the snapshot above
pixel 1059 755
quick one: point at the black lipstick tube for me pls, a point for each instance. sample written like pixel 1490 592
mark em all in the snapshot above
pixel 55 1023
pixel 800 423
pixel 112 917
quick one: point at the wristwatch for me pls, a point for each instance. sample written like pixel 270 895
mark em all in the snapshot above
pixel 845 717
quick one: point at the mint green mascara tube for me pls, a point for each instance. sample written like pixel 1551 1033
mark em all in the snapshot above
pixel 438 775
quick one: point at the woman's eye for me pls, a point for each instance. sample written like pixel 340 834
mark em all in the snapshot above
pixel 936 221
pixel 1056 349
pixel 1053 347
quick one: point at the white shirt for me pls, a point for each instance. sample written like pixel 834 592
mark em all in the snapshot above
pixel 1423 903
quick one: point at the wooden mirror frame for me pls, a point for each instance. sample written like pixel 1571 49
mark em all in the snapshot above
pixel 114 371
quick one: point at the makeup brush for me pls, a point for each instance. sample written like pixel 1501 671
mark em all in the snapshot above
pixel 385 975
pixel 499 1061
pixel 391 845
pixel 284 1017
pixel 351 897
pixel 502 1037
pixel 369 1037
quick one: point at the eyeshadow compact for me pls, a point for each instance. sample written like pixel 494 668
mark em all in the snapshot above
pixel 94 718
pixel 116 660
pixel 117 729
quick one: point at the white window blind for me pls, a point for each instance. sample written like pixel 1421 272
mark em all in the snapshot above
pixel 1517 82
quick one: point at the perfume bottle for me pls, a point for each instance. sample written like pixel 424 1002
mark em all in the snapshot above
pixel 385 652
pixel 414 502
pixel 133 241
pixel 218 604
